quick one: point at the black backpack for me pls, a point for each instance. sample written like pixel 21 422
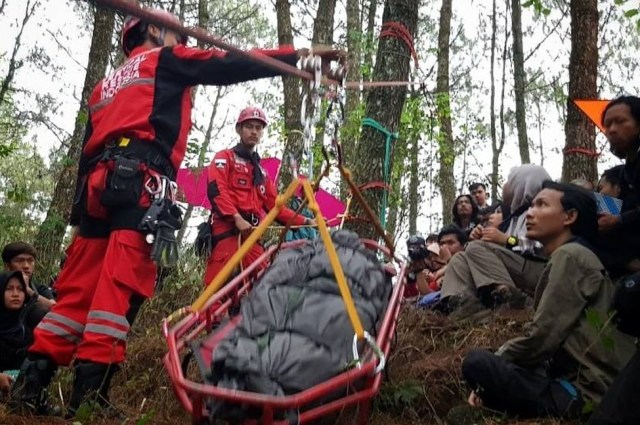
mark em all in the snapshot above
pixel 626 304
pixel 204 240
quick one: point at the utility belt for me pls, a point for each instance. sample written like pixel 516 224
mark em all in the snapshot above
pixel 206 241
pixel 149 153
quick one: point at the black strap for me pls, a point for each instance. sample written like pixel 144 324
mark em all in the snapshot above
pixel 222 236
pixel 254 158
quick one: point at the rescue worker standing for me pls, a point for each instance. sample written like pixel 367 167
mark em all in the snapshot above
pixel 138 121
pixel 241 194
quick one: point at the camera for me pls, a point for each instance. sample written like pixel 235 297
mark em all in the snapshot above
pixel 417 248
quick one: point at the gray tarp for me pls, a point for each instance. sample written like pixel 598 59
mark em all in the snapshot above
pixel 295 332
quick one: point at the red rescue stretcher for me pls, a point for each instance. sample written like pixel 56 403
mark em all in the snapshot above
pixel 357 385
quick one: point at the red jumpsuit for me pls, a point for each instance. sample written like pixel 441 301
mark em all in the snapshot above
pixel 232 189
pixel 143 109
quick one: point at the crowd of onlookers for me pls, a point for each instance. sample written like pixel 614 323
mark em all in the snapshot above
pixel 569 250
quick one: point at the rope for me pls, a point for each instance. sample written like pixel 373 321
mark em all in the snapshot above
pixel 399 31
pixel 581 151
pixel 389 136
pixel 131 8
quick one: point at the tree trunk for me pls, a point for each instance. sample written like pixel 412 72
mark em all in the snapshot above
pixel 519 78
pixel 384 105
pixel 203 22
pixel 201 159
pixel 371 24
pixel 414 197
pixel 446 179
pixel 496 146
pixel 492 108
pixel 322 35
pixel 583 75
pixel 291 90
pixel 52 230
pixel 354 73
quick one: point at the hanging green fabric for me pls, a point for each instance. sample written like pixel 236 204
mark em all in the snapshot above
pixel 389 137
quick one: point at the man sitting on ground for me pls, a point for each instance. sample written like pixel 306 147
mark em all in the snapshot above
pixel 563 362
pixel 21 257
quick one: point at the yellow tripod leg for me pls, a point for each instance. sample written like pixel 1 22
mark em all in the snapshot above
pixel 219 280
pixel 335 262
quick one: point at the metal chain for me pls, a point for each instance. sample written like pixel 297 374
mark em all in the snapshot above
pixel 311 119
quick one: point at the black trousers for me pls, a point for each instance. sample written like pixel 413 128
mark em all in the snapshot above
pixel 506 387
pixel 621 404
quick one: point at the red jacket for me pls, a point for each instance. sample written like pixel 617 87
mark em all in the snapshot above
pixel 231 189
pixel 148 98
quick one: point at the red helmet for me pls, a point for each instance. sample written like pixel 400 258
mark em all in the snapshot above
pixel 131 22
pixel 252 113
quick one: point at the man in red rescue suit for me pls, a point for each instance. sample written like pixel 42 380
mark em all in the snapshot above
pixel 139 119
pixel 241 194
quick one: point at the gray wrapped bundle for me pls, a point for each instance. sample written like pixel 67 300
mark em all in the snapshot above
pixel 295 332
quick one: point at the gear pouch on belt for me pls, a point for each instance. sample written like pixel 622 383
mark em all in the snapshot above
pixel 124 185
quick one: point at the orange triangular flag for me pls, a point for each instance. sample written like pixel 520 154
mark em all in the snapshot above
pixel 593 109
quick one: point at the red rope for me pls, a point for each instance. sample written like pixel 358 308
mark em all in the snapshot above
pixel 581 151
pixel 399 31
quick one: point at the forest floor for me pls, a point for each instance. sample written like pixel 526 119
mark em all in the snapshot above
pixel 422 376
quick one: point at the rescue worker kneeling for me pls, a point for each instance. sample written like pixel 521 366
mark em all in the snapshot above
pixel 241 193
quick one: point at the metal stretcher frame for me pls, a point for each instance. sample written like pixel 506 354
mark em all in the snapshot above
pixel 193 395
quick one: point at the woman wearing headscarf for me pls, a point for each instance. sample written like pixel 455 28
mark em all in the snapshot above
pixel 16 325
pixel 501 263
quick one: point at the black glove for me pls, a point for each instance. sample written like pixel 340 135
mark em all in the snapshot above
pixel 165 247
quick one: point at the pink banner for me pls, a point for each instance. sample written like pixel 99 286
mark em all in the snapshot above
pixel 192 186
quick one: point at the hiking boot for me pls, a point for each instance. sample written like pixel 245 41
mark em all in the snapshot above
pixel 469 309
pixel 465 415
pixel 91 384
pixel 29 392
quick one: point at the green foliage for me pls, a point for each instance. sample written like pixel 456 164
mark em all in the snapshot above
pixel 25 192
pixel 602 325
pixel 538 6
pixel 400 396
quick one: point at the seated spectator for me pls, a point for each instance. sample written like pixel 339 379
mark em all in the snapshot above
pixel 495 268
pixel 465 213
pixel 621 120
pixel 492 218
pixel 21 256
pixel 453 238
pixel 610 181
pixel 479 193
pixel 562 363
pixel 423 259
pixel 17 321
pixel 618 234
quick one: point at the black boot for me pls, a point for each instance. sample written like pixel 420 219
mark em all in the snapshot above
pixel 29 392
pixel 91 384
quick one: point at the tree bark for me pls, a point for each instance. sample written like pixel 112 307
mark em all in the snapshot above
pixel 446 180
pixel 51 231
pixel 583 76
pixel 384 105
pixel 355 39
pixel 519 78
pixel 291 90
pixel 496 146
pixel 414 197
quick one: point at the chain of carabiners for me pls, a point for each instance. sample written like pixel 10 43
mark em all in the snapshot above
pixel 310 118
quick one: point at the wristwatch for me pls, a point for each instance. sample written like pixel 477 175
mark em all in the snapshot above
pixel 512 241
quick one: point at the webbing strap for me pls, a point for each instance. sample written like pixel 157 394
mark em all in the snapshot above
pixel 389 137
